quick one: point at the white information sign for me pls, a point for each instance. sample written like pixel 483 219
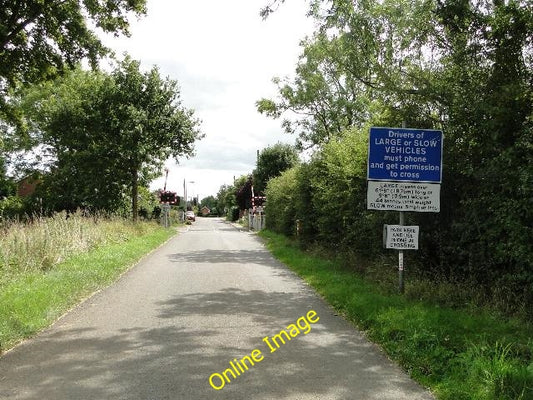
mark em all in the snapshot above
pixel 403 196
pixel 401 237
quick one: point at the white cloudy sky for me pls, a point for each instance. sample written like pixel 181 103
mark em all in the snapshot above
pixel 224 56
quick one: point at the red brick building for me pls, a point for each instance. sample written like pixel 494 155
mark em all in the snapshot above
pixel 27 185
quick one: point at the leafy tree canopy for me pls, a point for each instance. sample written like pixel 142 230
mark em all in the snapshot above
pixel 464 66
pixel 109 133
pixel 225 199
pixel 272 161
pixel 426 62
pixel 40 38
pixel 243 192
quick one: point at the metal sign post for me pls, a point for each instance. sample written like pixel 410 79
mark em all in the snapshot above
pixel 400 258
pixel 401 287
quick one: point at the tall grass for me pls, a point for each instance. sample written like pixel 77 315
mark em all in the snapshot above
pixel 495 373
pixel 49 265
pixel 45 242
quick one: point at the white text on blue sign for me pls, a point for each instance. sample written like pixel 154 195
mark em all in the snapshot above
pixel 400 154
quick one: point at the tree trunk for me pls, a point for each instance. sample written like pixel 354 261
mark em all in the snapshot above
pixel 135 194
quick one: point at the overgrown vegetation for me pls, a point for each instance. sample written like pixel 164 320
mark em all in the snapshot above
pixel 116 128
pixel 460 355
pixel 39 40
pixel 328 196
pixel 93 139
pixel 45 242
pixel 271 162
pixel 233 198
pixel 465 67
pixel 47 266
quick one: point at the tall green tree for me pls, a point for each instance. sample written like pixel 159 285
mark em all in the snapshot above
pixel 40 38
pixel 324 98
pixel 232 198
pixel 149 122
pixel 109 134
pixel 225 199
pixel 243 192
pixel 487 81
pixel 366 58
pixel 464 66
pixel 272 161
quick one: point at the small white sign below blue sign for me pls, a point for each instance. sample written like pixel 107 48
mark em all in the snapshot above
pixel 400 237
pixel 403 154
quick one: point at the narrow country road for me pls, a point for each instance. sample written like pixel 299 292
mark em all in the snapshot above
pixel 206 298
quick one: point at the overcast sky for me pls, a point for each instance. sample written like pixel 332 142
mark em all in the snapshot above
pixel 224 57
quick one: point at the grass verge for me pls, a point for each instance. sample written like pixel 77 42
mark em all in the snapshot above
pixel 33 299
pixel 458 354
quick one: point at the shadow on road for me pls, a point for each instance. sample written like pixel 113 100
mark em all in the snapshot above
pixel 303 366
pixel 224 256
pixel 186 337
pixel 175 361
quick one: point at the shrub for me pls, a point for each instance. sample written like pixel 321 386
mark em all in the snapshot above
pixel 12 207
pixel 483 242
pixel 233 214
pixel 281 202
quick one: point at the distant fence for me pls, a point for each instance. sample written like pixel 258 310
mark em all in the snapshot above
pixel 256 221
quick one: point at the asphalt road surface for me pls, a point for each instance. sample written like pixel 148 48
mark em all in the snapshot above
pixel 206 298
